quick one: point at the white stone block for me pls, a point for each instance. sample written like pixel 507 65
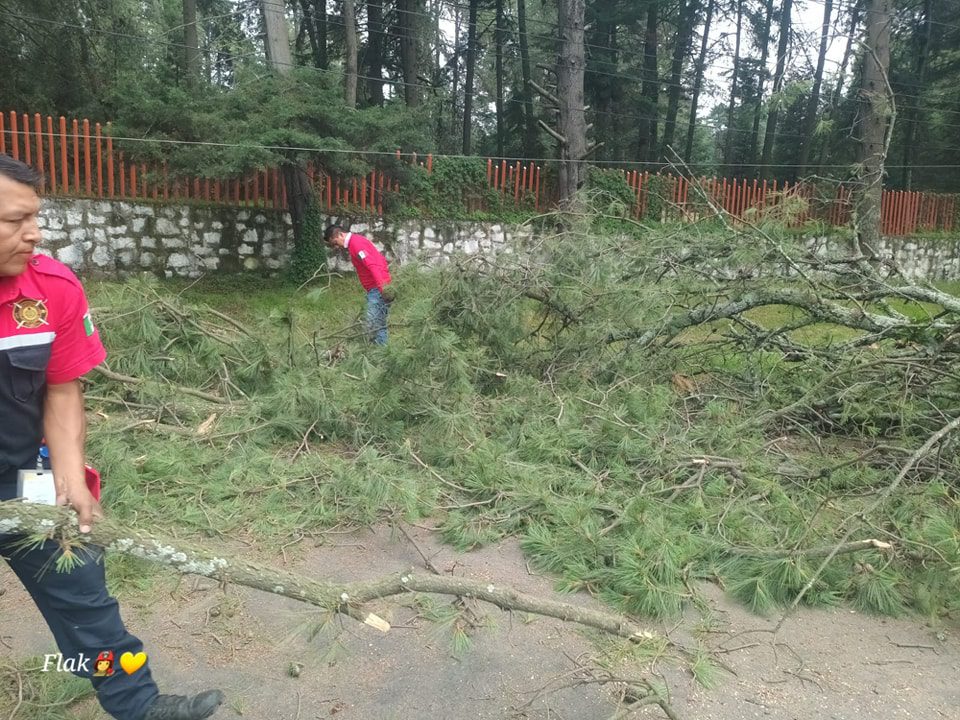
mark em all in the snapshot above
pixel 223 251
pixel 148 242
pixel 125 257
pixel 178 261
pixel 266 249
pixel 246 249
pixel 70 255
pixel 211 263
pixel 74 217
pixel 54 235
pixel 165 227
pixel 174 242
pixel 87 245
pixel 250 237
pixel 147 259
pixel 99 235
pixel 211 238
pixel 54 221
pixel 243 216
pixel 471 247
pixel 273 263
pixel 429 234
pixel 95 219
pixel 216 225
pixel 101 256
pixel 185 222
pixel 116 230
pixel 78 235
pixel 138 224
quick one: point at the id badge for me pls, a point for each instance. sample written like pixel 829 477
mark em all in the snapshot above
pixel 37 486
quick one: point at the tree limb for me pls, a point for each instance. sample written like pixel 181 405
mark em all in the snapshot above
pixel 556 136
pixel 347 598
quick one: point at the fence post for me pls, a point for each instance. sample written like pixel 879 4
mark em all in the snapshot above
pixel 64 168
pixel 86 157
pixel 76 157
pixel 14 140
pixel 52 155
pixel 26 140
pixel 38 135
pixel 3 136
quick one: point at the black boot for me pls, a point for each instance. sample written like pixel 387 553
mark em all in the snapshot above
pixel 177 707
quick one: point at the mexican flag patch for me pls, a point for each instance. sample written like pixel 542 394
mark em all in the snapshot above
pixel 88 324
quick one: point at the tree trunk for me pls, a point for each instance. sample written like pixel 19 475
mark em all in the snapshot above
pixel 698 83
pixel 468 84
pixel 773 113
pixel 681 48
pixel 728 145
pixel 813 102
pixel 529 121
pixel 315 18
pixel 571 64
pixel 499 70
pixel 350 51
pixel 375 41
pixel 650 91
pixel 457 51
pixel 913 113
pixel 764 53
pixel 191 45
pixel 407 11
pixel 876 117
pixel 277 43
pixel 837 93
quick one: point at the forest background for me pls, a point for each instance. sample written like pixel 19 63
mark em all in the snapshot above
pixel 746 88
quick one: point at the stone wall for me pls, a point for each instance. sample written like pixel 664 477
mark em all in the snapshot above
pixel 118 239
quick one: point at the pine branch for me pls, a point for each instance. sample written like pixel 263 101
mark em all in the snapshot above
pixel 347 598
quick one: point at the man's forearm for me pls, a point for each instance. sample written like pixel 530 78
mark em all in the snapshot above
pixel 65 425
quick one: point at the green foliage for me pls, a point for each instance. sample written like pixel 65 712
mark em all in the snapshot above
pixel 310 254
pixel 501 407
pixel 657 189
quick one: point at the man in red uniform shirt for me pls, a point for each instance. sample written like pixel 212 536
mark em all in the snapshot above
pixel 47 342
pixel 374 276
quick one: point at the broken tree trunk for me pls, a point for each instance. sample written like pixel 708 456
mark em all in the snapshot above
pixel 344 597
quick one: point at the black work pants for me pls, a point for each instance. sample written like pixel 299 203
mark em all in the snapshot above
pixel 85 621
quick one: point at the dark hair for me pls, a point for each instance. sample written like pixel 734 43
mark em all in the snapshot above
pixel 328 233
pixel 19 172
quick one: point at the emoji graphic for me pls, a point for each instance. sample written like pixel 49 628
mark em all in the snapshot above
pixel 103 667
pixel 131 663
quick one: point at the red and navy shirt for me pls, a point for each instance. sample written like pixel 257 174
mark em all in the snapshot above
pixel 371 266
pixel 46 337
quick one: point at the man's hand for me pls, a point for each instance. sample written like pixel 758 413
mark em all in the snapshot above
pixel 387 295
pixel 77 496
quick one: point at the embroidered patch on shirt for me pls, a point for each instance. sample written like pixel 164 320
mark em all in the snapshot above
pixel 88 324
pixel 362 255
pixel 29 313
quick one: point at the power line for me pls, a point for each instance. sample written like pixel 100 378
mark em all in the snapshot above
pixel 455 156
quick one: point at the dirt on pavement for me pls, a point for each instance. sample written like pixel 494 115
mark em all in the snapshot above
pixel 261 650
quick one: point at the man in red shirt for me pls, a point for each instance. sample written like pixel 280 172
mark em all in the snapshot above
pixel 47 342
pixel 374 276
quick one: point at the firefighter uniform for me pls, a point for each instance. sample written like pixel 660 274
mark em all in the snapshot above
pixel 47 337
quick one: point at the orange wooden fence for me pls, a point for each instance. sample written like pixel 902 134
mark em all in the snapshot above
pixel 680 198
pixel 78 158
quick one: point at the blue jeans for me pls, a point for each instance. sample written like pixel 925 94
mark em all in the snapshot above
pixel 377 309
